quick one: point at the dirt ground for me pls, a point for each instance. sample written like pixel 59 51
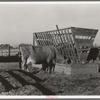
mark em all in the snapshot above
pixel 17 82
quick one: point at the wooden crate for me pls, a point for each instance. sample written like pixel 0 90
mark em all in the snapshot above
pixel 78 69
pixel 88 68
pixel 63 68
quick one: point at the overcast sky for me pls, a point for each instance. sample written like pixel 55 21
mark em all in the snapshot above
pixel 19 21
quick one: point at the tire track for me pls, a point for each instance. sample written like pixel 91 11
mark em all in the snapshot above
pixel 30 75
pixel 26 77
pixel 38 85
pixel 6 78
pixel 6 84
pixel 44 90
pixel 10 79
pixel 18 78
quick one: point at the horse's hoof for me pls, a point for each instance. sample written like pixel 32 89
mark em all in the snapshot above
pixel 22 69
pixel 27 70
pixel 49 72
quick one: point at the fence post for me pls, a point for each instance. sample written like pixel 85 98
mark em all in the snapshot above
pixel 33 39
pixel 9 50
pixel 19 55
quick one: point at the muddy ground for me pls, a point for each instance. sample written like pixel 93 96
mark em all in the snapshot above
pixel 17 82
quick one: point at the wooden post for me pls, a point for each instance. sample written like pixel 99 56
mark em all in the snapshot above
pixel 36 36
pixel 76 45
pixel 68 49
pixel 9 50
pixel 54 39
pixel 19 55
pixel 62 44
pixel 33 39
pixel 48 39
pixel 59 33
pixel 2 52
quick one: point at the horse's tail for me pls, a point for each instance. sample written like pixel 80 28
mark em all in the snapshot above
pixel 19 54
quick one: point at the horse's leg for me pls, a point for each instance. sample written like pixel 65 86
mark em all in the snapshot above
pixel 23 63
pixel 50 69
pixel 93 60
pixel 53 64
pixel 26 66
pixel 53 68
pixel 47 68
pixel 44 66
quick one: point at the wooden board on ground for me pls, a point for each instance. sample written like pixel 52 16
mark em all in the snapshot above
pixel 88 68
pixel 76 69
pixel 63 68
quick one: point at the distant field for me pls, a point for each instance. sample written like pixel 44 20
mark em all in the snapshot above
pixel 8 66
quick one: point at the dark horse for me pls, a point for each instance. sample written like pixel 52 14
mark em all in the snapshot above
pixel 93 54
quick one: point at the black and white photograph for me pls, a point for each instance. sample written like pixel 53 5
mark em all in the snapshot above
pixel 50 49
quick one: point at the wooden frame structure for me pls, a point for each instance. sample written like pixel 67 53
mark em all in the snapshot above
pixel 69 41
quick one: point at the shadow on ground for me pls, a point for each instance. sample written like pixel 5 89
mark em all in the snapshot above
pixel 22 78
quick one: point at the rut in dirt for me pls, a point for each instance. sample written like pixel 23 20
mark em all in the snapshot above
pixel 24 81
pixel 6 84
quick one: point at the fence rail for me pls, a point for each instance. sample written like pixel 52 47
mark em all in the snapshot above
pixel 5 52
pixel 10 55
